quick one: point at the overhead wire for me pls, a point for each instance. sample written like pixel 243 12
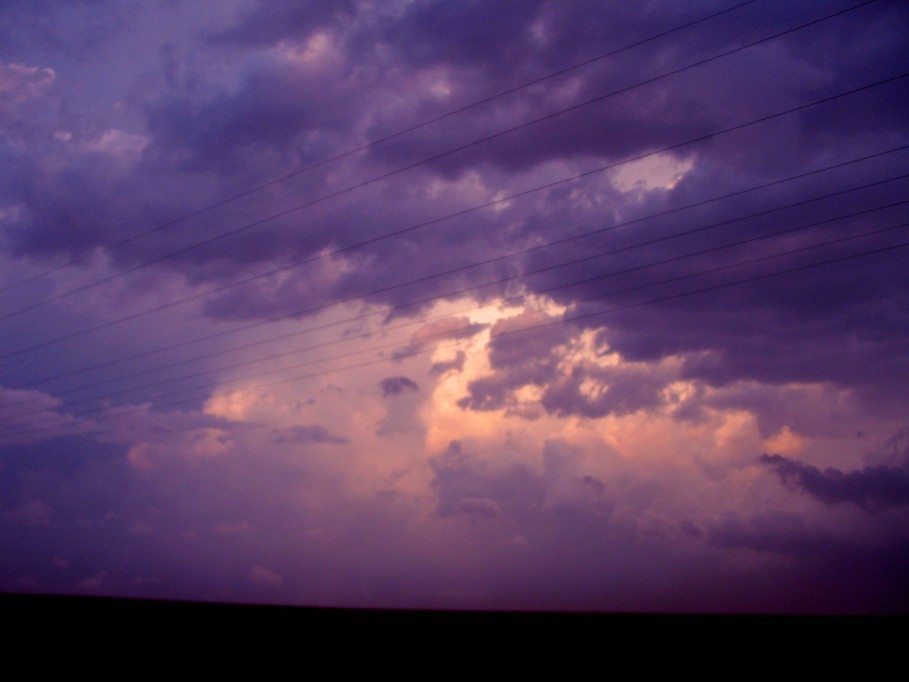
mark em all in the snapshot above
pixel 523 275
pixel 427 160
pixel 474 308
pixel 595 296
pixel 380 140
pixel 449 216
pixel 530 273
pixel 576 318
pixel 462 268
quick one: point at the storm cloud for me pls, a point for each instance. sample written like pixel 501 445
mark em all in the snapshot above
pixel 456 305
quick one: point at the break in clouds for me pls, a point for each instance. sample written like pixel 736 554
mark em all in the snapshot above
pixel 456 305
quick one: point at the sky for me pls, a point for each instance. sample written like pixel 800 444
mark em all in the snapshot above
pixel 534 305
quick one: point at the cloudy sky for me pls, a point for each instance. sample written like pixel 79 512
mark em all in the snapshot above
pixel 524 304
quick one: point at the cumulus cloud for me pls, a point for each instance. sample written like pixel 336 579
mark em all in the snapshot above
pixel 523 351
pixel 594 391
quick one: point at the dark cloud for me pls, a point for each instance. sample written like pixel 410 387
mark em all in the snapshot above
pixel 272 107
pixel 397 385
pixel 468 33
pixel 813 410
pixel 593 391
pixel 510 345
pixel 77 211
pixel 748 331
pixel 540 357
pixel 873 488
pixel 274 115
pixel 523 351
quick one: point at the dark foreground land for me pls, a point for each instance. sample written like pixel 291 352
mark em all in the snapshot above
pixel 94 632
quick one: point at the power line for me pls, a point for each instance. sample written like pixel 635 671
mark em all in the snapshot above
pixel 426 320
pixel 575 318
pixel 384 176
pixel 364 147
pixel 623 291
pixel 464 290
pixel 441 274
pixel 462 268
pixel 472 209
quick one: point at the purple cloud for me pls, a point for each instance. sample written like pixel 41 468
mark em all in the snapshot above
pixel 604 274
pixel 873 488
pixel 393 386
